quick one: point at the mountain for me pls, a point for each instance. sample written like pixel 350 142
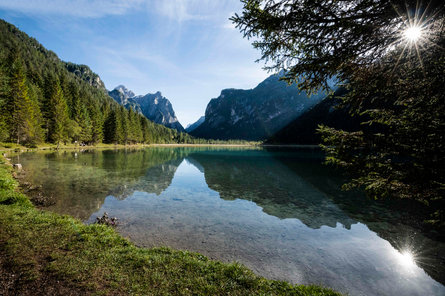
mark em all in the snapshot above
pixel 44 99
pixel 254 114
pixel 121 94
pixel 193 126
pixel 153 106
pixel 124 97
pixel 302 130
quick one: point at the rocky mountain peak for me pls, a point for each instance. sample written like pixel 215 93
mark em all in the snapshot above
pixel 125 91
pixel 153 106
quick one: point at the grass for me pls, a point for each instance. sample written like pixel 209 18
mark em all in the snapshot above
pixel 7 146
pixel 42 251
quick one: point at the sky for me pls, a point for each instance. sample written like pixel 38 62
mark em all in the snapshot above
pixel 187 49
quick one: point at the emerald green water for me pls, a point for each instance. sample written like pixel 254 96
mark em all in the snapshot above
pixel 279 212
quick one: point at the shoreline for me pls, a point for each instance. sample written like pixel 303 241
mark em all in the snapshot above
pixel 10 147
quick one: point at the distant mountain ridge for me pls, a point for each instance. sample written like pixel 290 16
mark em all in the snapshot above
pixel 193 126
pixel 254 114
pixel 153 106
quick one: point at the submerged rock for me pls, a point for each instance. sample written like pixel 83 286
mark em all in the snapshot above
pixel 39 199
pixel 106 220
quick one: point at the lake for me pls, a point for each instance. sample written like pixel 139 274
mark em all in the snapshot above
pixel 280 212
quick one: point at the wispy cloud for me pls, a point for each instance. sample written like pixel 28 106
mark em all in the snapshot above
pixel 139 56
pixel 177 10
pixel 186 10
pixel 77 8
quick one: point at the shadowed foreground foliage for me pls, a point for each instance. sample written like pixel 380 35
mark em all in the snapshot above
pixel 42 252
pixel 394 81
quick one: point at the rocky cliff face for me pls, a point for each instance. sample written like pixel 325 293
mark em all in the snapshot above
pixel 85 73
pixel 153 106
pixel 254 114
pixel 193 126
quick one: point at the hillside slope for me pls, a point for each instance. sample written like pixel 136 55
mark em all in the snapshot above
pixel 45 99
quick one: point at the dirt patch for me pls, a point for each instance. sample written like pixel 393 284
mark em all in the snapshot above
pixel 18 283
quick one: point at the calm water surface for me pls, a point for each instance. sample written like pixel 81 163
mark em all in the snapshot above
pixel 279 212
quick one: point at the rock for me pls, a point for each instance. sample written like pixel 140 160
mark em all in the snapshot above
pixel 106 220
pixel 17 166
pixel 42 200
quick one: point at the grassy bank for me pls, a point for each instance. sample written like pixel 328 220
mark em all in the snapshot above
pixel 50 146
pixel 46 253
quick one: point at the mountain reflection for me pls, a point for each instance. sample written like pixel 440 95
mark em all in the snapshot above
pixel 257 177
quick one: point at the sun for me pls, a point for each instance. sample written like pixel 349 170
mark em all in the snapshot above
pixel 406 258
pixel 413 33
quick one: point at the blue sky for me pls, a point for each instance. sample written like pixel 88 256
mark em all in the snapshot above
pixel 187 49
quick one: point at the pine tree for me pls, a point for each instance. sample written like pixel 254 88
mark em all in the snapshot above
pixel 145 130
pixel 96 123
pixel 37 134
pixel 111 128
pixel 20 116
pixel 59 115
pixel 84 122
pixel 123 118
pixel 4 130
pixel 135 134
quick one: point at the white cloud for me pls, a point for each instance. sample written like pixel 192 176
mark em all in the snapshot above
pixel 77 8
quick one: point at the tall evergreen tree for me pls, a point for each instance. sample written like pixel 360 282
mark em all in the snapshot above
pixel 20 118
pixel 145 130
pixel 124 132
pixel 59 114
pixel 84 122
pixel 112 128
pixel 36 120
pixel 135 134
pixel 96 123
pixel 4 130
